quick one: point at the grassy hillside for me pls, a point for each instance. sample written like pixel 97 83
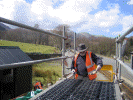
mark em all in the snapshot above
pixel 47 72
pixel 27 47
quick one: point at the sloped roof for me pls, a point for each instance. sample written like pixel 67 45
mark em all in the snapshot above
pixel 10 54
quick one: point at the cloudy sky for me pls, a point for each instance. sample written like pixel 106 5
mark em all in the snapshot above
pixel 97 17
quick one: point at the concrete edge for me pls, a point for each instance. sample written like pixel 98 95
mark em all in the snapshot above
pixel 118 93
pixel 44 91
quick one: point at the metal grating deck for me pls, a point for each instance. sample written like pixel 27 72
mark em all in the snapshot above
pixel 71 89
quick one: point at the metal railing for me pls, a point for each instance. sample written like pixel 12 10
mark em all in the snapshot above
pixel 119 50
pixel 28 27
pixel 19 64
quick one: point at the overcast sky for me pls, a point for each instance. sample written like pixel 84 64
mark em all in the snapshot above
pixel 97 17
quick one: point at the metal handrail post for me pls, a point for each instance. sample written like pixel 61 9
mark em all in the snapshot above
pixel 120 44
pixel 74 50
pixel 131 61
pixel 63 52
pixel 117 61
pixel 116 55
pixel 74 43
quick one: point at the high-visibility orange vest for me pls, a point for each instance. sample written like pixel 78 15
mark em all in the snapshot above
pixel 38 85
pixel 89 65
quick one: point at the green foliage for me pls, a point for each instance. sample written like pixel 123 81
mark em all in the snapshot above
pixel 102 45
pixel 56 75
pixel 46 72
pixel 131 42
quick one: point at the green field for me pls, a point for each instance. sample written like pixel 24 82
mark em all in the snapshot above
pixel 27 47
pixel 46 68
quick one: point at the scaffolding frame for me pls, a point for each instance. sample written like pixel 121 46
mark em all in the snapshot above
pixel 119 50
pixel 19 64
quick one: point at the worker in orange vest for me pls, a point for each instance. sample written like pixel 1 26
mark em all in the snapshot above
pixel 38 85
pixel 83 64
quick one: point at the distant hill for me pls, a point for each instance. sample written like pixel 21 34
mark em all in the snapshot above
pixel 88 35
pixel 84 34
pixel 4 27
pixel 100 36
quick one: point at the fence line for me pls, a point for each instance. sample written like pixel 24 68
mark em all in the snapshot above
pixel 120 52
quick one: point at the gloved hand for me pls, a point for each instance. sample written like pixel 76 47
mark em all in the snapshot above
pixel 98 68
pixel 73 70
pixel 94 72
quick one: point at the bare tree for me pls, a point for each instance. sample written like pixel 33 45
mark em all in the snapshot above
pixel 59 30
pixel 35 34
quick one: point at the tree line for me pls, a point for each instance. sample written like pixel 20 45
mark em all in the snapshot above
pixel 100 45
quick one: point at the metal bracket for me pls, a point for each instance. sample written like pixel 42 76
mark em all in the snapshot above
pixel 115 57
pixel 120 80
pixel 66 38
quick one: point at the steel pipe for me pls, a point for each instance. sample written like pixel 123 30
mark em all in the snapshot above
pixel 124 65
pixel 63 52
pixel 19 64
pixel 123 36
pixel 131 62
pixel 116 56
pixel 120 59
pixel 28 27
pixel 124 46
pixel 74 43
